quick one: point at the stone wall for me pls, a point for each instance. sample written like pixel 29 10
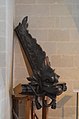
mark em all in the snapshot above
pixel 6 39
pixel 54 23
pixel 2 59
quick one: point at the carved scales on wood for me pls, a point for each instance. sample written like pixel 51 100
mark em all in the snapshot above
pixel 44 80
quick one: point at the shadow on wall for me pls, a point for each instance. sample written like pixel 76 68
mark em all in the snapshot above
pixel 73 7
pixel 62 102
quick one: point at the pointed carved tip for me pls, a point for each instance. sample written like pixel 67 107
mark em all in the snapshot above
pixel 25 20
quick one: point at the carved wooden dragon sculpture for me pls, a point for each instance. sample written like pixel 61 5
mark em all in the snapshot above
pixel 44 80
